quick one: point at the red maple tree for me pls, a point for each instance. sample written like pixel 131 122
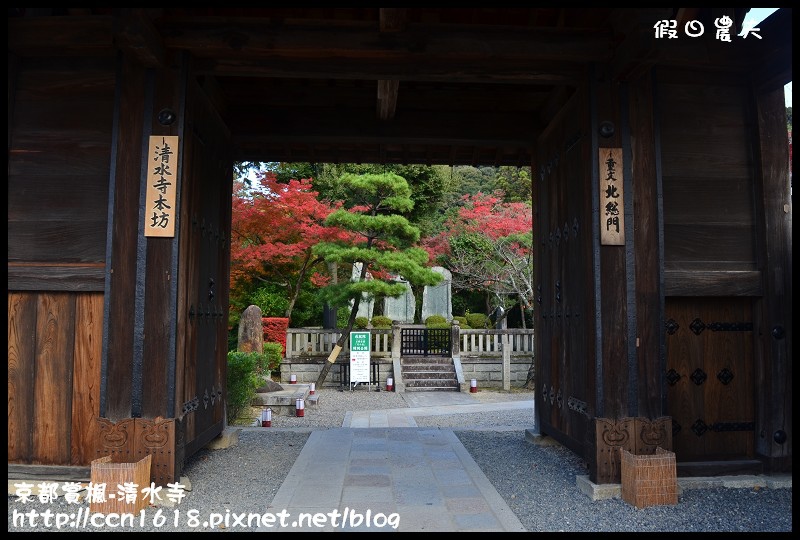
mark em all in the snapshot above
pixel 273 228
pixel 487 247
pixel 484 214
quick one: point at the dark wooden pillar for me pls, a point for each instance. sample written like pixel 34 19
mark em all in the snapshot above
pixel 125 184
pixel 612 271
pixel 773 311
pixel 628 321
pixel 138 369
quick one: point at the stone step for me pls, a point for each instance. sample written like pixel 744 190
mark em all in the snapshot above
pixel 429 374
pixel 431 382
pixel 433 360
pixel 412 375
pixel 432 389
pixel 428 367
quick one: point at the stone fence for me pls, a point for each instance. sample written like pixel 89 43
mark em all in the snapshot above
pixel 495 358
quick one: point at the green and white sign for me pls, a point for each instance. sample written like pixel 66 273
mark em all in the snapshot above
pixel 359 357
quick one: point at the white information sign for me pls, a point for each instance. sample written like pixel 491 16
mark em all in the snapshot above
pixel 359 357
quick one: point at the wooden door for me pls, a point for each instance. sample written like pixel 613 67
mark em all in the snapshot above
pixel 204 273
pixel 709 377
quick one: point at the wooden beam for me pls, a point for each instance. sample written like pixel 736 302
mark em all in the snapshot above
pixel 19 471
pixel 306 93
pixel 403 68
pixel 713 283
pixel 378 151
pixel 450 53
pixel 387 99
pixel 555 101
pixel 135 34
pixel 639 50
pixel 772 54
pixel 261 38
pixel 392 20
pixel 60 36
pixel 319 126
pixel 56 277
pixel 250 141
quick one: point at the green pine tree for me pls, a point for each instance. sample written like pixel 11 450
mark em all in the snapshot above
pixel 384 246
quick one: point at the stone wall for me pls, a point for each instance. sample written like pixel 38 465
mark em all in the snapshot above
pixel 307 370
pixel 488 371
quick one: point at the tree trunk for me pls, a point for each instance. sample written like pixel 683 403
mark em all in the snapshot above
pixel 326 367
pixel 530 383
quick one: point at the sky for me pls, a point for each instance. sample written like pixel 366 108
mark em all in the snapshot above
pixel 759 14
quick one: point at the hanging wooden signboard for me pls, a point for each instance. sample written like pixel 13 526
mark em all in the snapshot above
pixel 160 207
pixel 612 207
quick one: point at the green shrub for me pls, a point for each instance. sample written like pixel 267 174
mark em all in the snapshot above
pixel 381 321
pixel 477 320
pixel 242 382
pixel 435 321
pixel 273 356
pixel 271 299
pixel 361 323
pixel 462 322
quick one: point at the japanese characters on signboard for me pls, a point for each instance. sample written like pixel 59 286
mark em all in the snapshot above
pixel 359 357
pixel 612 213
pixel 160 209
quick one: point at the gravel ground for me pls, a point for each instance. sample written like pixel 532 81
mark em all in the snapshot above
pixel 537 482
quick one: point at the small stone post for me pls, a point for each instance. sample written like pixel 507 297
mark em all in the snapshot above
pixel 397 370
pixel 455 353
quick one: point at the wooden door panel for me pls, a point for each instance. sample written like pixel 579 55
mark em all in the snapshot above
pixel 710 377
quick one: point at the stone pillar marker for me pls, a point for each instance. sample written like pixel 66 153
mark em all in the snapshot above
pixel 251 330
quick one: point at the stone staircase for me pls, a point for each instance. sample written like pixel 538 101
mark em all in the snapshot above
pixel 428 374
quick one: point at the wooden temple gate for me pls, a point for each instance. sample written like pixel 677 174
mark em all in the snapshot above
pixel 662 210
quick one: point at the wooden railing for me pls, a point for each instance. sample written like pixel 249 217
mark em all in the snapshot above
pixel 317 342
pixel 490 342
pixel 310 342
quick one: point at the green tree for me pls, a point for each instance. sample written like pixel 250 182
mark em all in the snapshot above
pixel 385 247
pixel 428 186
pixel 515 183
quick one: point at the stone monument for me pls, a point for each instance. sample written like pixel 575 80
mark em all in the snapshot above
pixel 402 308
pixel 367 304
pixel 437 299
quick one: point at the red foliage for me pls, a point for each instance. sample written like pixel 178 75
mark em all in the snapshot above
pixel 485 214
pixel 275 330
pixel 274 228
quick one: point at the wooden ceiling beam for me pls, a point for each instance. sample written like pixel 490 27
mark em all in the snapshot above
pixel 321 140
pixel 376 152
pixel 319 125
pixel 305 93
pixel 402 69
pixel 212 37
